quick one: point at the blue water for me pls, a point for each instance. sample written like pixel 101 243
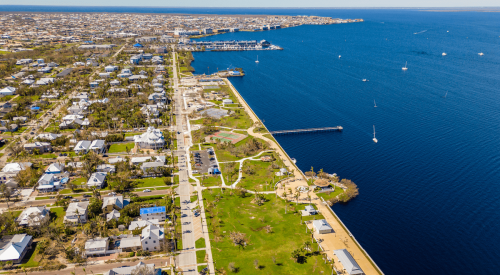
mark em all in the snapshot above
pixel 429 188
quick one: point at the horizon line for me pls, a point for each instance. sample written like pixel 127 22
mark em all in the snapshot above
pixel 257 7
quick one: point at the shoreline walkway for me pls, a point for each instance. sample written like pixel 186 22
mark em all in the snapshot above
pixel 341 239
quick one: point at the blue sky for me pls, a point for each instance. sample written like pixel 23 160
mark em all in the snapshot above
pixel 261 3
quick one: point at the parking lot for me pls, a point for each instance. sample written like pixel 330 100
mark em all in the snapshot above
pixel 202 161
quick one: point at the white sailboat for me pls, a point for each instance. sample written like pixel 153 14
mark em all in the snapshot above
pixel 375 103
pixel 257 61
pixel 480 54
pixel 405 67
pixel 374 138
pixel 444 54
pixel 340 56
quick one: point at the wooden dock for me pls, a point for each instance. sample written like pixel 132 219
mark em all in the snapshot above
pixel 310 130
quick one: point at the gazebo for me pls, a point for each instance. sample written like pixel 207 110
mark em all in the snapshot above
pixel 321 183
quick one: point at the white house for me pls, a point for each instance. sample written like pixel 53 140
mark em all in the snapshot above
pixel 14 247
pixel 139 224
pixel 227 101
pixel 152 139
pixel 55 168
pixel 153 213
pixel 322 227
pixel 48 136
pixel 82 146
pixel 98 146
pixel 97 180
pixel 309 211
pixel 77 213
pixel 46 183
pixel 130 244
pixel 33 216
pixel 97 246
pixel 7 91
pixel 113 215
pixel 350 265
pixel 111 69
pixel 152 238
pixel 127 270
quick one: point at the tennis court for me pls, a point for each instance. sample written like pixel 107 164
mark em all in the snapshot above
pixel 226 137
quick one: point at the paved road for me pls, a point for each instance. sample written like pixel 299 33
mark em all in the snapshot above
pixel 187 258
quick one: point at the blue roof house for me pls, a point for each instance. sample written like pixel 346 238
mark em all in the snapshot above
pixel 152 213
pixel 138 45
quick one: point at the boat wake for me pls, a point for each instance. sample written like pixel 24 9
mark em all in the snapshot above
pixel 419 32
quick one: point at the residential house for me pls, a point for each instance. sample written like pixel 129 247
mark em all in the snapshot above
pixel 111 69
pixel 77 213
pixel 113 203
pixel 96 247
pixel 152 238
pixel 154 167
pixel 152 139
pixel 7 91
pixel 127 270
pixel 106 168
pixel 137 160
pixel 55 168
pixel 309 210
pixel 143 223
pixel 97 180
pixel 98 146
pixel 34 216
pixel 46 183
pixel 14 247
pixel 113 215
pixel 82 147
pixel 48 136
pixel 131 244
pixel 153 213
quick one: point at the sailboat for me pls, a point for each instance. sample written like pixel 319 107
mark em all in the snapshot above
pixel 480 54
pixel 374 138
pixel 257 61
pixel 443 54
pixel 375 103
pixel 405 67
pixel 340 56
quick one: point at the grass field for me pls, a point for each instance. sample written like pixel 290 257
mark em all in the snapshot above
pixel 57 215
pixel 260 178
pixel 200 256
pixel 31 262
pixel 149 182
pixel 200 243
pixel 327 196
pixel 121 147
pixel 238 214
pixel 79 181
pixel 211 181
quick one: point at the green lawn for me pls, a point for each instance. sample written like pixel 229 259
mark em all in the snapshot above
pixel 132 134
pixel 31 262
pixel 329 195
pixel 57 215
pixel 121 147
pixel 41 198
pixel 200 243
pixel 149 182
pixel 79 181
pixel 238 214
pixel 260 178
pixel 44 156
pixel 69 191
pixel 211 181
pixel 200 256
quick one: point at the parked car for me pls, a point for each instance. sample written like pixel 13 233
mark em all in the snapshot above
pixel 87 196
pixel 146 190
pixel 68 197
pixel 112 193
pixel 75 200
pixel 85 199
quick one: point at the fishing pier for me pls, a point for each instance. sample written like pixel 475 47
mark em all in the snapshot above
pixel 310 130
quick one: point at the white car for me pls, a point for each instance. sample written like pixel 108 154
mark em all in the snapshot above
pixel 146 190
